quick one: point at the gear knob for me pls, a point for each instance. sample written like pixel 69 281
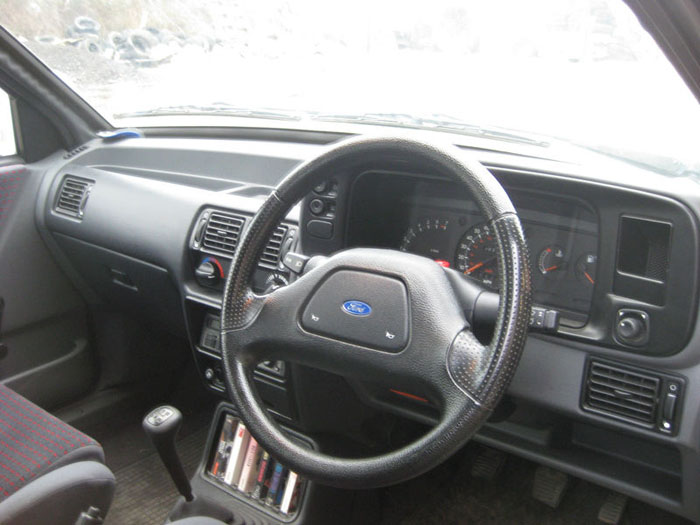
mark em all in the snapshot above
pixel 163 422
pixel 161 425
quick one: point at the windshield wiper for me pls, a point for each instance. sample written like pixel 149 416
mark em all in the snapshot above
pixel 216 108
pixel 435 121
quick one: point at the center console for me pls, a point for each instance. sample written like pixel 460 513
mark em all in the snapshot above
pixel 272 378
pixel 213 240
pixel 235 473
pixel 237 481
pixel 235 463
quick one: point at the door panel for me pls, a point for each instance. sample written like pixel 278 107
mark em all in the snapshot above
pixel 45 320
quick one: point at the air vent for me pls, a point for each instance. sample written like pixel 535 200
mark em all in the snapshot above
pixel 622 392
pixel 73 196
pixel 222 233
pixel 270 257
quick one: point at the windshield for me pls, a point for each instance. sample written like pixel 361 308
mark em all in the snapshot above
pixel 580 70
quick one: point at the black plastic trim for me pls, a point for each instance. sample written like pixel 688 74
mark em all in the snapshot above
pixel 25 76
pixel 664 379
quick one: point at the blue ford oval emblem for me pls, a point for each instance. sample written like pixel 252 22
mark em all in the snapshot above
pixel 358 308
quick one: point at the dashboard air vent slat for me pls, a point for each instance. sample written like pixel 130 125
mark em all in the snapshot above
pixel 72 196
pixel 222 232
pixel 622 392
pixel 270 257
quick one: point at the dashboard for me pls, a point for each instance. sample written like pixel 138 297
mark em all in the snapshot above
pixel 614 251
pixel 431 217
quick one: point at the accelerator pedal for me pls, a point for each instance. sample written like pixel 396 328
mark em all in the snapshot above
pixel 613 509
pixel 549 486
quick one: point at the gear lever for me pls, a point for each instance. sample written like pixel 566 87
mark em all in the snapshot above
pixel 161 425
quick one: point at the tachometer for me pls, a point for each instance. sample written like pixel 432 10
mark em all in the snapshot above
pixel 477 255
pixel 428 237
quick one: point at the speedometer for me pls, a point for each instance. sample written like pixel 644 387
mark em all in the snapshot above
pixel 477 256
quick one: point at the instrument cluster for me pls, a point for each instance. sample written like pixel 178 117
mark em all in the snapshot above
pixel 430 218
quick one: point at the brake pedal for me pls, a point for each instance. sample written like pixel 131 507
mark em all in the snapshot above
pixel 549 486
pixel 613 509
pixel 488 464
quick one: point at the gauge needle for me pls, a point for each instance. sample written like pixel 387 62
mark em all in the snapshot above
pixel 589 277
pixel 475 267
pixel 551 268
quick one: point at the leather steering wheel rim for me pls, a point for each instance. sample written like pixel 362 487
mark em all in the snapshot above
pixel 465 378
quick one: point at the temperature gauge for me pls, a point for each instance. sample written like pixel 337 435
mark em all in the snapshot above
pixel 551 260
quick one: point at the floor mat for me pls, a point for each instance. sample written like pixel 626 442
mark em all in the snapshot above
pixel 145 493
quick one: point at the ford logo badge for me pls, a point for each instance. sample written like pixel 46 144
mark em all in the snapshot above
pixel 357 308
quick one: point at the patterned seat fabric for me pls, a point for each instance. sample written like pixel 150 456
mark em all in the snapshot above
pixel 33 442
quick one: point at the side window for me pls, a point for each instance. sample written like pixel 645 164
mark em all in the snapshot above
pixel 7 132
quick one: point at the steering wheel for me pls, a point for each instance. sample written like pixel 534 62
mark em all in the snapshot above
pixel 379 315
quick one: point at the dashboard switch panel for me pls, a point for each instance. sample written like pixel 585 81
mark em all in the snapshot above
pixel 317 206
pixel 210 337
pixel 544 320
pixel 323 206
pixel 320 229
pixel 276 368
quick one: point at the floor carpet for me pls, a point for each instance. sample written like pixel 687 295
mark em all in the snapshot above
pixel 450 495
pixel 447 495
pixel 444 496
pixel 145 493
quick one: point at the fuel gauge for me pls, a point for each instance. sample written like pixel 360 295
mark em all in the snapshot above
pixel 585 268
